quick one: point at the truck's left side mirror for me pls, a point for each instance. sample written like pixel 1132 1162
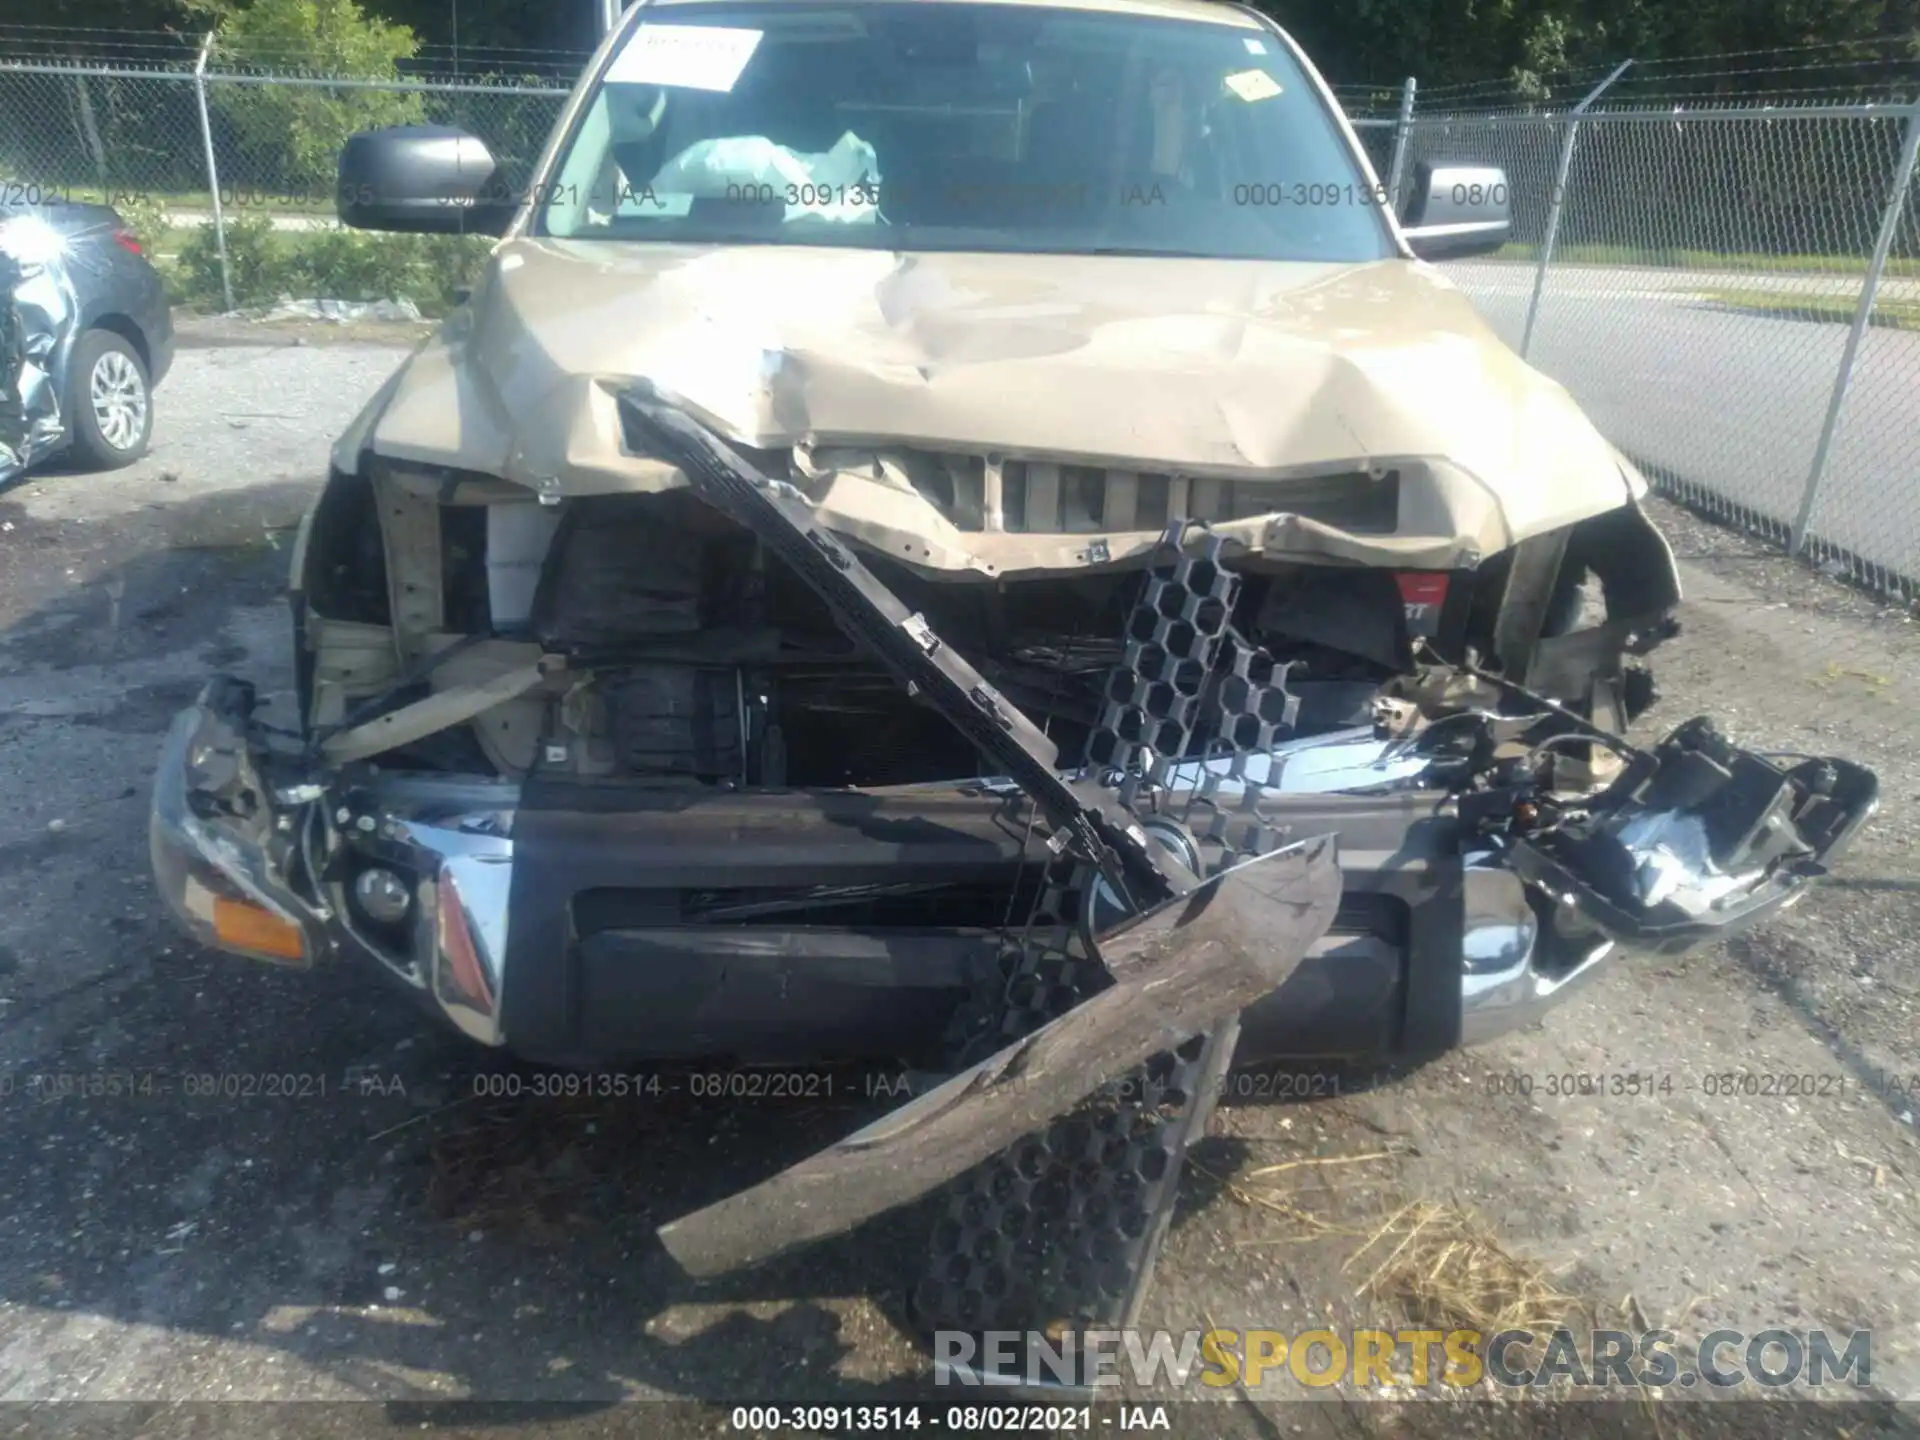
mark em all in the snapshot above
pixel 1457 209
pixel 421 179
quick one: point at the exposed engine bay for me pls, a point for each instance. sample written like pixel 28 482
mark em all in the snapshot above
pixel 671 648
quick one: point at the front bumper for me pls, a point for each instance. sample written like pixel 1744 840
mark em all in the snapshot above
pixel 577 924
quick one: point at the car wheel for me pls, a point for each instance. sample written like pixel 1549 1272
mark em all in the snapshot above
pixel 112 402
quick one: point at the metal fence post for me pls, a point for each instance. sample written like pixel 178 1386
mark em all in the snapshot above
pixel 1556 202
pixel 213 171
pixel 1397 167
pixel 1862 317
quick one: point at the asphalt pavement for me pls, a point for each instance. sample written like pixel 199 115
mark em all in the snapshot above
pixel 1729 401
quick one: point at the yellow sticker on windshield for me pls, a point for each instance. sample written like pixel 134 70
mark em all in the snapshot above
pixel 1253 85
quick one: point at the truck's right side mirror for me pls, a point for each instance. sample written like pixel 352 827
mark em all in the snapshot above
pixel 421 179
pixel 1457 209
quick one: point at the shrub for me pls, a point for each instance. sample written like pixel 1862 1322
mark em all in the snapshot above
pixel 454 260
pixel 252 256
pixel 327 264
pixel 342 264
pixel 145 216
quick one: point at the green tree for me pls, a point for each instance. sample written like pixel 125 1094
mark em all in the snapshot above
pixel 294 133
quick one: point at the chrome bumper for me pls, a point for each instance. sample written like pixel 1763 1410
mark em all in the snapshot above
pixel 1514 968
pixel 456 835
pixel 225 875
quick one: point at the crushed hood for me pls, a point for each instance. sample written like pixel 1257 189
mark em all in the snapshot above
pixel 1199 368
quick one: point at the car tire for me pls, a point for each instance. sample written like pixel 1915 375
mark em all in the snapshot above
pixel 111 401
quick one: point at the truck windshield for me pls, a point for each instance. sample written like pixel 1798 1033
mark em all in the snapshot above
pixel 951 126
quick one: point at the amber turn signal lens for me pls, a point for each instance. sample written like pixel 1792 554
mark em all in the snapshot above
pixel 248 927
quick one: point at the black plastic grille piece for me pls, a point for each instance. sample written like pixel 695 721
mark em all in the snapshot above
pixel 1058 1233
pixel 1043 972
pixel 1154 698
pixel 1187 672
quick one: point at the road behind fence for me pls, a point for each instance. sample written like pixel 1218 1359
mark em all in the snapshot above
pixel 1732 293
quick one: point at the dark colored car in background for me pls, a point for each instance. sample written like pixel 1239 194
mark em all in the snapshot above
pixel 85 333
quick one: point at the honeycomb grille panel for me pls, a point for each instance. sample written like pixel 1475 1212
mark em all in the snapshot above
pixel 1059 1231
pixel 1186 672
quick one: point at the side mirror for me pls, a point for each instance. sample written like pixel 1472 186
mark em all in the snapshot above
pixel 1457 210
pixel 421 179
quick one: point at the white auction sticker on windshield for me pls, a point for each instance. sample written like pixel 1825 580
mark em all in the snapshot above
pixel 693 57
pixel 1253 85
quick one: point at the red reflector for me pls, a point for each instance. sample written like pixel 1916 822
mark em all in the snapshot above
pixel 1423 587
pixel 128 241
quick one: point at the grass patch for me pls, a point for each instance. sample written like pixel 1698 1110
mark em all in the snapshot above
pixel 236 201
pixel 1670 258
pixel 1890 314
pixel 1440 1265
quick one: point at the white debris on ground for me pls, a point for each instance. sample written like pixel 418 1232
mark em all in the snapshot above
pixel 342 312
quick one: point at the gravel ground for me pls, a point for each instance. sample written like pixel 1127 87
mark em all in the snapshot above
pixel 379 1234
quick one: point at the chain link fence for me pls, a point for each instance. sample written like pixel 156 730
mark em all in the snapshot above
pixel 1732 292
pixel 231 175
pixel 139 133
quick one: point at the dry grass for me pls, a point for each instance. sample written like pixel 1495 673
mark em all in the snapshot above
pixel 1286 1203
pixel 1442 1265
pixel 523 1166
pixel 1449 1271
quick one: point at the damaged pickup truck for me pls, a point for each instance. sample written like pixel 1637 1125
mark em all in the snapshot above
pixel 922 546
